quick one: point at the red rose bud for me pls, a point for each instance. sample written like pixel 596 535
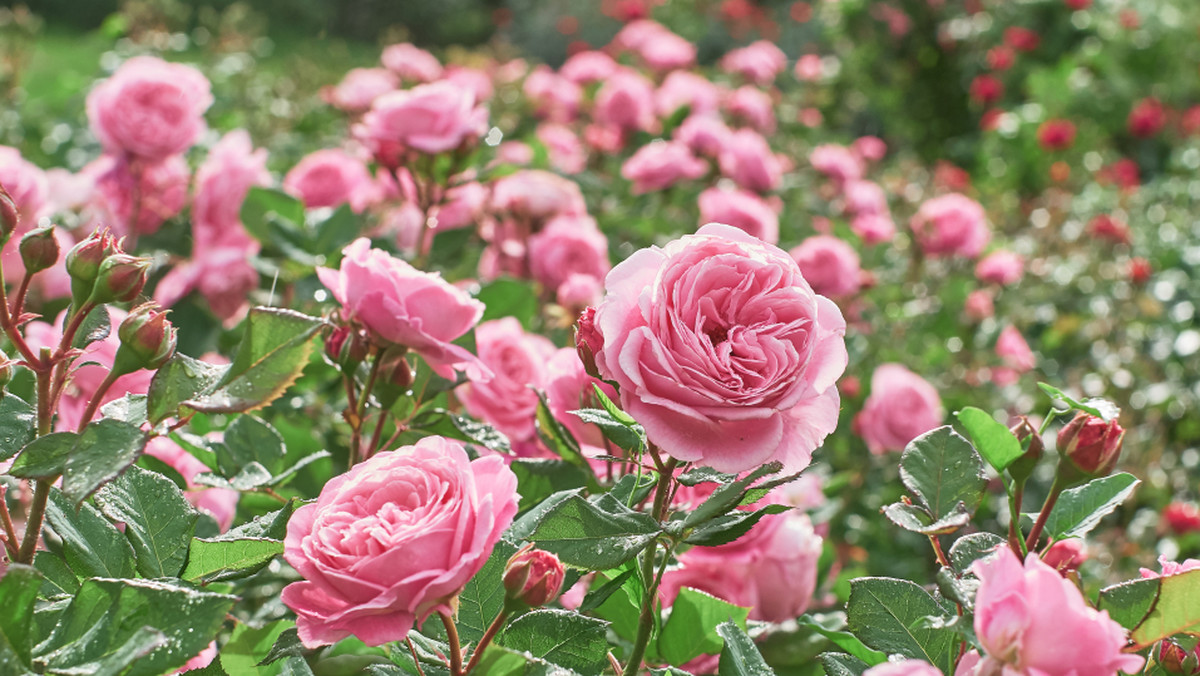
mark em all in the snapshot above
pixel 39 249
pixel 10 217
pixel 346 347
pixel 147 339
pixel 120 279
pixel 533 577
pixel 1090 444
pixel 588 341
pixel 1175 659
pixel 1065 556
pixel 1182 517
pixel 1022 468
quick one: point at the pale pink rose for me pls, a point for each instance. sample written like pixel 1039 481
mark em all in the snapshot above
pixel 836 162
pixel 747 159
pixel 201 660
pixel 359 89
pixel 1170 567
pixel 463 207
pixel 508 401
pixel 683 88
pixel 901 407
pixel 636 33
pixel 222 274
pixel 473 80
pixel 808 68
pixel 129 189
pixel 514 152
pixel 979 305
pixel 405 224
pixel 754 107
pixel 411 63
pixel 232 167
pixel 67 191
pixel 743 210
pixel 759 62
pixel 1001 268
pixel 722 350
pixel 870 148
pixel 588 66
pixel 874 228
pixel 219 503
pixel 331 178
pixel 658 165
pixel 705 135
pixel 903 668
pixel 27 184
pixel 568 245
pixel 1012 348
pixel 951 225
pixel 810 117
pixel 864 197
pixel 401 305
pixel 429 118
pixel 563 146
pixel 149 108
pixel 830 265
pixel 555 98
pixel 578 291
pixel 569 388
pixel 394 540
pixel 667 51
pixel 1031 620
pixel 626 101
pixel 537 195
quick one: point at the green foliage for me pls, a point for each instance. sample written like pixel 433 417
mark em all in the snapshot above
pixel 994 441
pixel 1080 509
pixel 483 597
pixel 214 560
pixel 889 615
pixel 18 424
pixel 91 545
pixel 1176 611
pixel 739 657
pixel 18 594
pixel 562 638
pixel 690 631
pixel 594 535
pixel 159 522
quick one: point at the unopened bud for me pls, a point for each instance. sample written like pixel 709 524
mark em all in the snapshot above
pixel 397 370
pixel 10 217
pixel 120 279
pixel 83 263
pixel 533 578
pixel 39 249
pixel 6 371
pixel 1175 659
pixel 147 339
pixel 1022 468
pixel 1065 556
pixel 346 347
pixel 1090 444
pixel 588 341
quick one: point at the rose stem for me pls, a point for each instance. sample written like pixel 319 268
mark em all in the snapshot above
pixel 356 440
pixel 455 648
pixel 646 619
pixel 1014 532
pixel 488 635
pixel 1036 531
pixel 37 510
pixel 11 540
pixel 413 649
pixel 94 403
pixel 22 290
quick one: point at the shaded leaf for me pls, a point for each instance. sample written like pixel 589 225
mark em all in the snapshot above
pixel 18 425
pixel 91 546
pixel 561 637
pixel 888 615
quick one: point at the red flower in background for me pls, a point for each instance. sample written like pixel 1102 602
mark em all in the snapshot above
pixel 1189 122
pixel 1021 39
pixel 1123 172
pixel 986 90
pixel 1078 4
pixel 1139 270
pixel 1182 517
pixel 1106 227
pixel 1001 57
pixel 1056 134
pixel 1147 118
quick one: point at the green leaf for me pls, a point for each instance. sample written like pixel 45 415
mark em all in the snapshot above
pixel 247 646
pixel 831 627
pixel 177 381
pixel 272 525
pixel 525 524
pixel 699 475
pixel 211 560
pixel 130 408
pixel 632 488
pixel 158 520
pixel 837 664
pixel 143 642
pixel 1080 509
pixel 970 548
pixel 95 326
pixel 596 598
pixel 1101 408
pixel 335 232
pixel 728 496
pixel 630 438
pixel 621 606
pixel 561 637
pixel 483 596
pixel 917 520
pixel 58 576
pixel 449 424
pixel 611 407
pixel 538 478
pixel 999 446
pixel 247 440
pixel 1176 612
pixel 287 645
pixel 1129 602
pixel 45 457
pixel 942 469
pixel 888 615
pixel 561 443
pixel 273 352
pixel 508 297
pixel 248 478
pixel 740 657
pixel 92 547
pixel 18 595
pixel 690 631
pixel 595 536
pixel 500 661
pixel 727 528
pixel 18 425
pixel 264 206
pixel 102 452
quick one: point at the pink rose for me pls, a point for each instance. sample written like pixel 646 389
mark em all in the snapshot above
pixel 754 107
pixel 588 66
pixel 870 148
pixel 359 89
pixel 864 197
pixel 759 62
pixel 219 503
pixel 903 668
pixel 684 88
pixel 658 165
pixel 902 406
pixel 1031 620
pixel 979 305
pixel 1001 268
pixel 747 159
pixel 636 33
pixel 27 184
pixel 222 274
pixel 952 224
pixel 667 51
pixel 743 210
pixel 1066 555
pixel 1170 567
pixel 201 660
pixel 463 206
pixel 554 97
pixel 508 401
pixel 705 135
pixel 808 68
pixel 429 118
pixel 401 305
pixel 836 162
pixel 129 190
pixel 394 540
pixel 411 63
pixel 626 101
pixel 722 350
pixel 537 195
pixel 514 152
pixel 568 245
pixel 874 228
pixel 578 291
pixel 473 80
pixel 149 108
pixel 564 147
pixel 232 167
pixel 331 178
pixel 830 265
pixel 1012 348
pixel 569 388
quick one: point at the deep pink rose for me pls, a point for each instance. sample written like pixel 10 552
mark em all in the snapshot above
pixel 1066 555
pixel 155 192
pixel 626 101
pixel 555 98
pixel 951 225
pixel 759 62
pixel 588 66
pixel 747 159
pixel 743 210
pixel 359 89
pixel 411 63
pixel 903 668
pixel 429 118
pixel 874 228
pixel 232 167
pixel 705 135
pixel 837 162
pixel 508 401
pixel 219 503
pixel 979 305
pixel 537 195
pixel 684 88
pixel 331 178
pixel 394 540
pixel 722 350
pixel 402 305
pixel 1001 268
pixel 1012 348
pixel 830 265
pixel 1030 619
pixel 754 107
pixel 568 245
pixel 901 407
pixel 658 165
pixel 149 108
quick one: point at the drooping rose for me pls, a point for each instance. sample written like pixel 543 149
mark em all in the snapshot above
pixel 743 210
pixel 901 407
pixel 722 350
pixel 830 265
pixel 951 225
pixel 331 177
pixel 661 164
pixel 394 540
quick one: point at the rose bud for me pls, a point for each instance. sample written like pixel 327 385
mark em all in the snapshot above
pixel 39 249
pixel 1090 444
pixel 1182 517
pixel 396 369
pixel 83 263
pixel 9 215
pixel 1175 659
pixel 533 577
pixel 1022 467
pixel 147 339
pixel 1065 556
pixel 588 341
pixel 120 279
pixel 346 347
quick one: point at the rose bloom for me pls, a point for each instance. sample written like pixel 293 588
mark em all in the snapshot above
pixel 830 265
pixel 395 540
pixel 555 98
pixel 568 245
pixel 684 88
pixel 430 118
pixel 223 276
pixel 1189 121
pixel 901 407
pixel 986 90
pixel 743 210
pixel 759 62
pixel 808 68
pixel 705 135
pixel 28 186
pixel 330 178
pixel 1012 348
pixel 1147 118
pixel 149 108
pixel 636 33
pixel 1001 268
pixel 869 148
pixel 537 195
pixel 157 192
pixel 509 400
pixel 232 167
pixel 1000 58
pixel 722 350
pixel 1182 517
pixel 1108 228
pixel 903 668
pixel 864 197
pixel 753 107
pixel 569 388
pixel 563 146
pixel 219 503
pixel 1021 39
pixel 1078 4
pixel 473 80
pixel 411 63
pixel 400 305
pixel 1066 555
pixel 836 162
pixel 1124 172
pixel 1030 620
pixel 514 152
pixel 658 165
pixel 626 101
pixel 874 228
pixel 951 224
pixel 1170 568
pixel 359 89
pixel 588 67
pixel 579 291
pixel 667 51
pixel 747 159
pixel 1056 134
pixel 979 305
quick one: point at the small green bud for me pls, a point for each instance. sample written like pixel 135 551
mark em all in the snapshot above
pixel 39 249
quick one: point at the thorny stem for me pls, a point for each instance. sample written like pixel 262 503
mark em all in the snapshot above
pixel 488 635
pixel 937 550
pixel 1036 531
pixel 650 601
pixel 356 442
pixel 11 540
pixel 456 666
pixel 8 323
pixel 22 290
